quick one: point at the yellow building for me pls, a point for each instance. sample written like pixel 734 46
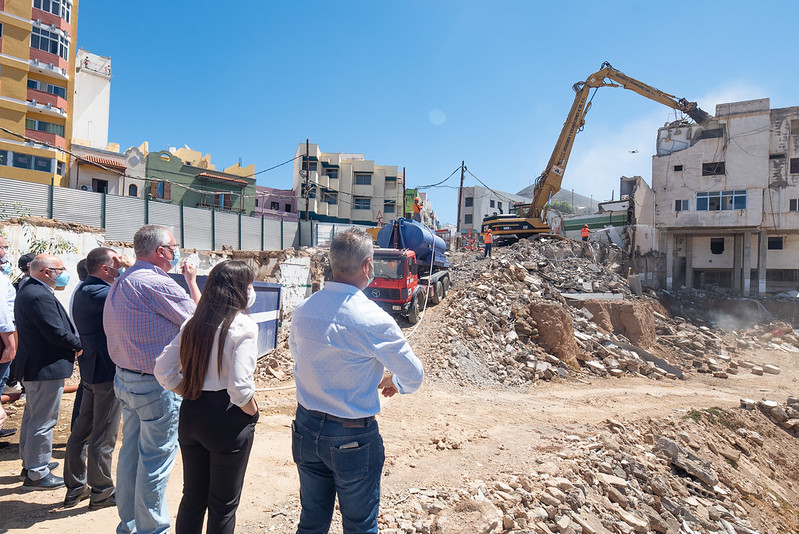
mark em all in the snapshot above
pixel 37 79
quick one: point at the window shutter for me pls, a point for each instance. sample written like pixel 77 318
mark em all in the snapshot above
pixel 228 200
pixel 167 191
pixel 153 189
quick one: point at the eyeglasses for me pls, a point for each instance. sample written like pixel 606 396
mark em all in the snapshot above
pixel 4 247
pixel 59 270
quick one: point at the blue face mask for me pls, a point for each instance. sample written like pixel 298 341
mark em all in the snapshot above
pixel 372 277
pixel 120 271
pixel 5 268
pixel 62 280
pixel 175 258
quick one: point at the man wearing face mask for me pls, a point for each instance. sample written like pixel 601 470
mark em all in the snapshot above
pixel 45 357
pixel 97 422
pixel 142 314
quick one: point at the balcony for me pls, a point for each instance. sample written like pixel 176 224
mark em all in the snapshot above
pixel 47 104
pixel 48 64
pixel 44 137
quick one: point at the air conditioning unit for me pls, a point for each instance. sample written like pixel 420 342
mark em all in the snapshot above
pixel 86 188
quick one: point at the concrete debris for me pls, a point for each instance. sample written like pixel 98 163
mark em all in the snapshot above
pixel 608 486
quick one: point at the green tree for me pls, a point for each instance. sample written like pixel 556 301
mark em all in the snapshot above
pixel 561 206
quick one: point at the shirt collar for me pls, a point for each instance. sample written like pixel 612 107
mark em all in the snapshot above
pixel 45 285
pixel 341 287
pixel 143 264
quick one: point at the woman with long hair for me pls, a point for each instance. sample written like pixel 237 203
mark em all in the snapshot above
pixel 210 364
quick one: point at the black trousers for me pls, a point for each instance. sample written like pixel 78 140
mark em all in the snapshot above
pixel 93 438
pixel 215 439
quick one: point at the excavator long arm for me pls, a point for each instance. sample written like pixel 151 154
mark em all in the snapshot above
pixel 548 183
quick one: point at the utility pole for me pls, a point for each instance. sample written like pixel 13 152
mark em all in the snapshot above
pixel 404 184
pixel 307 176
pixel 460 199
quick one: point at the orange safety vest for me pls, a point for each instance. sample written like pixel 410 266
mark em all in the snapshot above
pixel 584 232
pixel 488 238
pixel 417 207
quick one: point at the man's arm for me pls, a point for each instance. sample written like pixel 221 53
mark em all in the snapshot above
pixel 9 346
pixel 51 324
pixel 395 353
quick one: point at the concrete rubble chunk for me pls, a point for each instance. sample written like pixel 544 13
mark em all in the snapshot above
pixel 480 517
pixel 748 404
pixel 639 524
pixel 771 369
pixel 687 461
pixel 757 370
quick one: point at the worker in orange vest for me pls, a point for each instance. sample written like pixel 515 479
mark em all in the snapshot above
pixel 417 209
pixel 584 232
pixel 488 240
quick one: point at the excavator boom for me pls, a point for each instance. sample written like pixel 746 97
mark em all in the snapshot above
pixel 531 218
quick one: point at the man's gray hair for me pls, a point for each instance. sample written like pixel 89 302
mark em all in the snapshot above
pixel 150 237
pixel 348 251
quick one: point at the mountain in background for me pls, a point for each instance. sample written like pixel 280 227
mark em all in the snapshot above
pixel 582 205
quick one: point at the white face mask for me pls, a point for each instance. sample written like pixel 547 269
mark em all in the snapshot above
pixel 250 297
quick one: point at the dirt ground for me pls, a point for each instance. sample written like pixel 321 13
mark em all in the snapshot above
pixel 496 430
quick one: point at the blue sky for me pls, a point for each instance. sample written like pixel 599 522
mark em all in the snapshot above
pixel 426 84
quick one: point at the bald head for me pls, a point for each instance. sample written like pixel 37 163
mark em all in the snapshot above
pixel 46 268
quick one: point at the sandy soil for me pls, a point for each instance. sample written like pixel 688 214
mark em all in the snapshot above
pixel 497 431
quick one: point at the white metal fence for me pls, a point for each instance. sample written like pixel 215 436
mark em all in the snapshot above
pixel 203 229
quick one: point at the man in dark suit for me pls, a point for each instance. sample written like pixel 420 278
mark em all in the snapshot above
pixel 45 356
pixel 97 423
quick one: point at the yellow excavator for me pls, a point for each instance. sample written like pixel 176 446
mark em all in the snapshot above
pixel 530 219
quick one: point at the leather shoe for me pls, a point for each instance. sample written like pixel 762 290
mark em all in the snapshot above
pixel 105 503
pixel 73 498
pixel 50 466
pixel 49 482
pixel 5 432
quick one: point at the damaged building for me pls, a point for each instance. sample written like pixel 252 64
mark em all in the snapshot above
pixel 727 200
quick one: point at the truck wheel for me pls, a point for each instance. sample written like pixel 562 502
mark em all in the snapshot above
pixel 445 284
pixel 413 311
pixel 438 292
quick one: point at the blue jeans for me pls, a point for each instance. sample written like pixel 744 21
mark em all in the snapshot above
pixel 4 372
pixel 149 446
pixel 326 470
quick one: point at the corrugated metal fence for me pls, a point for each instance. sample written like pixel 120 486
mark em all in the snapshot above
pixel 198 228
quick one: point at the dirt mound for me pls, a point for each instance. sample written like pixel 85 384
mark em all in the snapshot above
pixel 555 331
pixel 633 320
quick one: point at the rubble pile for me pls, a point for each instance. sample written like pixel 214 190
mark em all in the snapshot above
pixel 786 416
pixel 709 471
pixel 554 308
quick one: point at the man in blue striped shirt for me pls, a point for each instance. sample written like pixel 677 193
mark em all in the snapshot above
pixel 142 314
pixel 341 343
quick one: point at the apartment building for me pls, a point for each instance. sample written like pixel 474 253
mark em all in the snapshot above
pixel 480 202
pixel 184 176
pixel 727 199
pixel 37 65
pixel 346 188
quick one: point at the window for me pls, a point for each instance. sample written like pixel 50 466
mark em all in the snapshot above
pixel 362 178
pixel 678 168
pixel 775 243
pixel 288 208
pixel 332 174
pixel 42 164
pixel 162 190
pixel 133 191
pixel 715 133
pixel 468 201
pixel 310 165
pixel 681 205
pixel 223 201
pixel 52 42
pixel 391 178
pixel 100 186
pixel 1 30
pixel 256 203
pixel 274 206
pixel 362 203
pixel 467 219
pixel 57 90
pixel 62 8
pixel 717 245
pixel 776 156
pixel 331 197
pixel 713 169
pixel 794 166
pixel 388 207
pixel 59 168
pixel 499 206
pixel 311 191
pixel 492 203
pixel 34 84
pixel 3 157
pixel 47 127
pixel 794 204
pixel 721 200
pixel 22 161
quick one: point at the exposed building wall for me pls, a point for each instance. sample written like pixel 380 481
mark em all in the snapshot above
pixel 276 203
pixel 92 99
pixel 754 197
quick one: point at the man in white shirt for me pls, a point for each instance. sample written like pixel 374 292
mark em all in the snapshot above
pixel 341 343
pixel 8 341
